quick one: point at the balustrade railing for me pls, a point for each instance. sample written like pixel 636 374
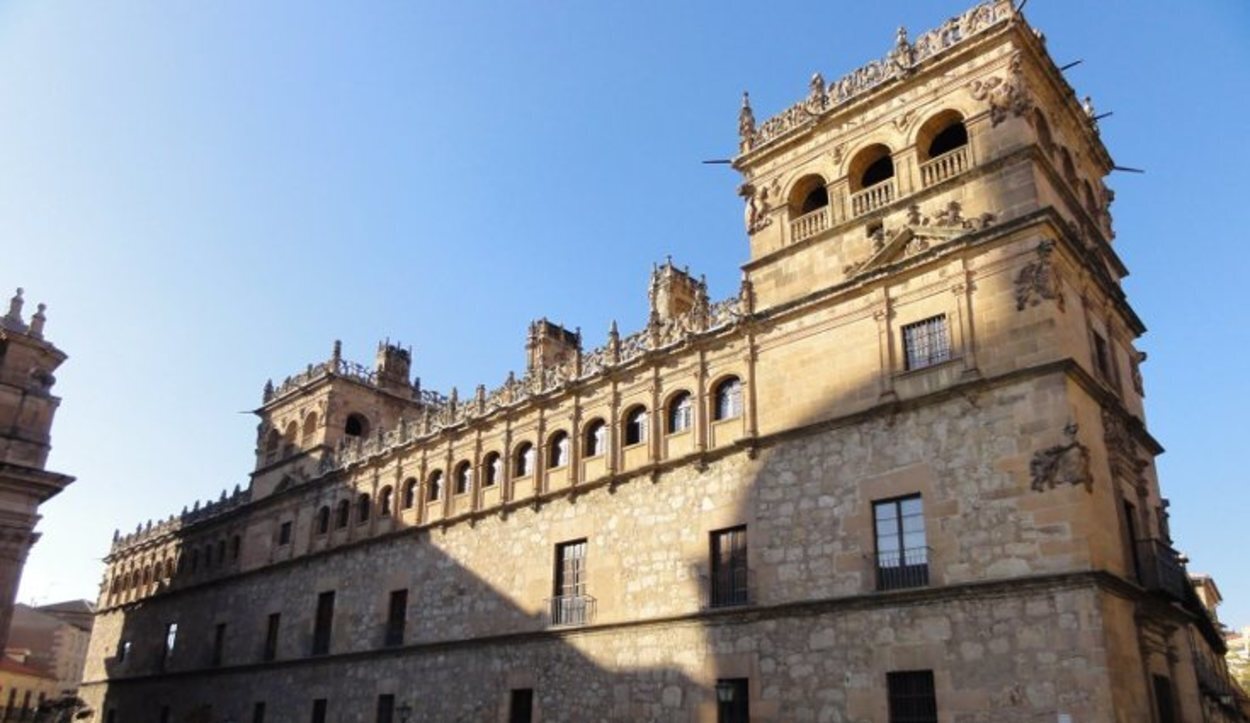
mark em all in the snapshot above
pixel 872 198
pixel 949 164
pixel 809 224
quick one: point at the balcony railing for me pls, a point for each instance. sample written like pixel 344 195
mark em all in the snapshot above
pixel 729 586
pixel 572 609
pixel 872 198
pixel 809 224
pixel 898 569
pixel 1159 568
pixel 951 163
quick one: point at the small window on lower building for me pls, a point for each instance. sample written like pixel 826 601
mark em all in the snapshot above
pixel 926 343
pixel 319 710
pixel 521 706
pixel 386 708
pixel 396 617
pixel 912 697
pixel 1163 698
pixel 733 700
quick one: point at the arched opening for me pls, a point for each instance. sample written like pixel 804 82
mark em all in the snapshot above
pixel 221 552
pixel 288 439
pixel 362 508
pixel 680 416
pixel 871 176
pixel 343 514
pixel 1069 170
pixel 434 488
pixel 384 501
pixel 558 449
pixel 523 460
pixel 356 425
pixel 310 429
pixel 323 520
pixel 208 556
pixel 236 545
pixel 728 398
pixel 410 493
pixel 596 438
pixel 463 477
pixel 635 425
pixel 492 469
pixel 273 441
pixel 808 194
pixel 941 134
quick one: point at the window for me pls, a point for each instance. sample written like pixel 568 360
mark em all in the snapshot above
pixel 319 710
pixel 270 651
pixel 729 566
pixel 236 544
pixel 808 194
pixel 363 505
pixel 258 713
pixel 288 448
pixel 123 651
pixel 728 398
pixel 680 413
pixel 523 463
pixel 596 438
pixel 356 426
pixel 926 343
pixel 1163 698
pixel 325 618
pixel 733 700
pixel 410 493
pixel 171 638
pixel 323 520
pixel 1102 359
pixel 310 428
pixel 272 441
pixel 492 467
pixel 902 557
pixel 911 696
pixel 464 477
pixel 343 515
pixel 219 643
pixel 558 450
pixel 434 489
pixel 521 706
pixel 396 616
pixel 873 165
pixel 284 534
pixel 384 501
pixel 636 426
pixel 1132 541
pixel 569 596
pixel 163 717
pixel 386 708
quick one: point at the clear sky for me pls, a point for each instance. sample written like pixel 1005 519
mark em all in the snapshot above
pixel 208 194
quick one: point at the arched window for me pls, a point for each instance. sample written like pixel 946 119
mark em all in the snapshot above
pixel 384 501
pixel 236 544
pixel 310 428
pixel 558 449
pixel 208 556
pixel 169 569
pixel 728 398
pixel 288 439
pixel 635 425
pixel 323 520
pixel 343 514
pixel 941 134
pixel 410 492
pixel 147 576
pixel 1069 170
pixel 873 165
pixel 523 460
pixel 272 442
pixel 356 425
pixel 434 489
pixel 808 194
pixel 221 552
pixel 463 477
pixel 195 560
pixel 680 412
pixel 596 438
pixel 492 469
pixel 363 505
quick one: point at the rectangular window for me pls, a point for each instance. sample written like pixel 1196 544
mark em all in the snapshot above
pixel 258 713
pixel 219 643
pixel 396 616
pixel 926 343
pixel 1130 530
pixel 521 706
pixel 902 557
pixel 729 566
pixel 284 534
pixel 912 698
pixel 386 708
pixel 733 700
pixel 164 716
pixel 568 604
pixel 1102 357
pixel 325 618
pixel 319 710
pixel 123 651
pixel 171 638
pixel 1163 699
pixel 270 651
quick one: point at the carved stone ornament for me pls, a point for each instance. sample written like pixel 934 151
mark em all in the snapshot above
pixel 1122 449
pixel 1004 95
pixel 1038 280
pixel 1066 463
pixel 757 208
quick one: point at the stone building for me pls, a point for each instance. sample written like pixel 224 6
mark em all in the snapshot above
pixel 53 640
pixel 903 475
pixel 27 406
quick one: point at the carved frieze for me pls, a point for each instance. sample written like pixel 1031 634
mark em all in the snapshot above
pixel 1004 94
pixel 1038 281
pixel 1066 463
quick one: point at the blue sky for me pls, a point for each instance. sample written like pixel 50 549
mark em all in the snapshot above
pixel 207 195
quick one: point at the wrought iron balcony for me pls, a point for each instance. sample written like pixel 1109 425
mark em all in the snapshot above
pixel 572 609
pixel 1159 569
pixel 898 569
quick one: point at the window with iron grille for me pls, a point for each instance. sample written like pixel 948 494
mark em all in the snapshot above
pixel 926 343
pixel 729 567
pixel 386 708
pixel 902 557
pixel 396 617
pixel 270 651
pixel 569 596
pixel 319 710
pixel 322 626
pixel 219 643
pixel 733 700
pixel 521 706
pixel 284 534
pixel 258 713
pixel 912 698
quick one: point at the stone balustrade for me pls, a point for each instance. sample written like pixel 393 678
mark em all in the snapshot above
pixel 872 198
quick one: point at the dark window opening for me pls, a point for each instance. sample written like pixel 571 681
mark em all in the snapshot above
pixel 880 170
pixel 270 651
pixel 324 622
pixel 1163 699
pixel 524 460
pixel 386 708
pixel 323 520
pixel 492 470
pixel 219 643
pixel 384 502
pixel 729 567
pixel 912 697
pixel 236 544
pixel 434 489
pixel 636 426
pixel 558 450
pixel 319 710
pixel 171 639
pixel 596 438
pixel 356 426
pixel 680 413
pixel 733 700
pixel 728 400
pixel 396 617
pixel 952 136
pixel 343 515
pixel 816 198
pixel 284 534
pixel 363 505
pixel 464 478
pixel 902 557
pixel 521 706
pixel 410 493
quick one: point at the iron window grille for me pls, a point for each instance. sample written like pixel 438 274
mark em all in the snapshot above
pixel 912 696
pixel 729 572
pixel 926 343
pixel 902 559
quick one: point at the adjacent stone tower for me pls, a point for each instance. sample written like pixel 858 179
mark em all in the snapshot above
pixel 27 406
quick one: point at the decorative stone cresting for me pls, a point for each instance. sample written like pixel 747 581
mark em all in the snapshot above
pixel 1038 280
pixel 1066 463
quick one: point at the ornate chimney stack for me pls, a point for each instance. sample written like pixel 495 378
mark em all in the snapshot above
pixel 674 291
pixel 551 345
pixel 394 366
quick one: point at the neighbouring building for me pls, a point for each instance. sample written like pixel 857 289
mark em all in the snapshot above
pixel 903 475
pixel 23 688
pixel 53 640
pixel 27 406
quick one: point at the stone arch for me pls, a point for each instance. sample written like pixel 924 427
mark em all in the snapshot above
pixel 558 449
pixel 310 429
pixel 809 193
pixel 434 486
pixel 463 477
pixel 941 133
pixel 595 438
pixel 492 469
pixel 871 164
pixel 356 425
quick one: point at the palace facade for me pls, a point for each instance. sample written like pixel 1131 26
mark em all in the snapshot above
pixel 902 475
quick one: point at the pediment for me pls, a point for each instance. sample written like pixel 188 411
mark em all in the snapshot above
pixel 921 232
